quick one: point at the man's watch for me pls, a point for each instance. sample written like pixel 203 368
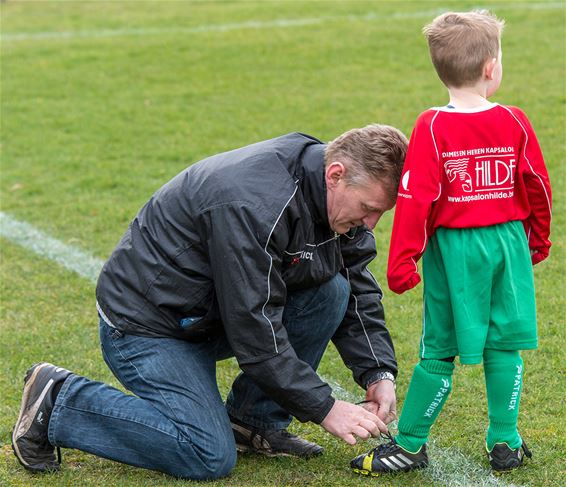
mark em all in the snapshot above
pixel 383 375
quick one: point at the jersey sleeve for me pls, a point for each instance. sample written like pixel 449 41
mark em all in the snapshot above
pixel 419 188
pixel 539 193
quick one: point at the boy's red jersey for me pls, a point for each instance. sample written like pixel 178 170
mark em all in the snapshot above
pixel 468 169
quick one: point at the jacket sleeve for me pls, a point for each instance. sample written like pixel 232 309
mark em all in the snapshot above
pixel 535 177
pixel 419 188
pixel 362 338
pixel 251 295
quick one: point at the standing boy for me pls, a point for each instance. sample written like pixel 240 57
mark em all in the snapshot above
pixel 475 194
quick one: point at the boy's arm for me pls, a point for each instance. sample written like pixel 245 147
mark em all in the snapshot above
pixel 419 188
pixel 539 193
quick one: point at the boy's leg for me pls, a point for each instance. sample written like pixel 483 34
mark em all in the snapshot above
pixel 176 423
pixel 432 378
pixel 429 388
pixel 504 381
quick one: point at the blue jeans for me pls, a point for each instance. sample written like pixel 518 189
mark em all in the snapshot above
pixel 177 422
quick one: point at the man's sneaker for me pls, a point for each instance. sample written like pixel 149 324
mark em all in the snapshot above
pixel 502 458
pixel 389 457
pixel 272 443
pixel 29 437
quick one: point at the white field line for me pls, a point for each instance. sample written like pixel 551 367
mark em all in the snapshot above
pixel 252 24
pixel 448 466
pixel 73 259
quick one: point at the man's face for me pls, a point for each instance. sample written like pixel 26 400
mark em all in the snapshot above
pixel 351 206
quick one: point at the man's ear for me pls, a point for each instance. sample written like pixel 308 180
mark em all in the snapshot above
pixel 335 171
pixel 489 67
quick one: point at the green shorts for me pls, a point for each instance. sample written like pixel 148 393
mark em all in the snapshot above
pixel 478 292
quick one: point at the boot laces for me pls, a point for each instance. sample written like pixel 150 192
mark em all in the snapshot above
pixel 388 447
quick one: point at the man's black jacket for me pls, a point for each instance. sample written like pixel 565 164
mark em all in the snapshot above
pixel 217 249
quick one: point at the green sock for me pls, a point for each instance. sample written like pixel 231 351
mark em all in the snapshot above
pixel 504 381
pixel 429 388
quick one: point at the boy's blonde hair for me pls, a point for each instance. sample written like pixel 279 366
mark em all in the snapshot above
pixel 460 44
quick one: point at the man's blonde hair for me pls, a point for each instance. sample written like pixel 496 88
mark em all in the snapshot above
pixel 375 152
pixel 460 44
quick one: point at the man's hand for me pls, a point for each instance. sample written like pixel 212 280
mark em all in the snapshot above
pixel 381 400
pixel 346 421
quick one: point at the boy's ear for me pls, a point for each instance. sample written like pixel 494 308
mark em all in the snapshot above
pixel 489 67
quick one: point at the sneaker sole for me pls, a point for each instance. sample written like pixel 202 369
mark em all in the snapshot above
pixel 26 415
pixel 268 453
pixel 271 454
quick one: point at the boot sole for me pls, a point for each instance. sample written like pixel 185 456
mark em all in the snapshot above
pixel 369 473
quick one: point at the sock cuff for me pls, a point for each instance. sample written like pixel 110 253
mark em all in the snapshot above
pixel 437 366
pixel 411 443
pixel 415 430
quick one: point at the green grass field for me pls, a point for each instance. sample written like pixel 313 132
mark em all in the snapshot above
pixel 103 102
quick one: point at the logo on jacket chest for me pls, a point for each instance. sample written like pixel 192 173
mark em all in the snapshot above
pixel 304 255
pixel 298 257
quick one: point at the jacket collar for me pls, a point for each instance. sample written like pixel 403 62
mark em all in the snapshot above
pixel 312 182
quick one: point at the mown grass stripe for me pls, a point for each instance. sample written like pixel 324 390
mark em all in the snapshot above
pixel 252 24
pixel 449 466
